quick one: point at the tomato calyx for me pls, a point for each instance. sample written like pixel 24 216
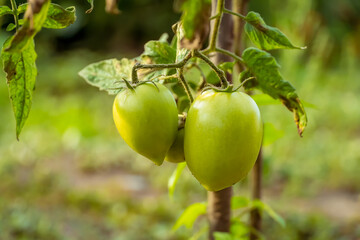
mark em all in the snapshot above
pixel 228 88
pixel 132 86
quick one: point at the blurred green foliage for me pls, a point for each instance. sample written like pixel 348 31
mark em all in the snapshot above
pixel 72 177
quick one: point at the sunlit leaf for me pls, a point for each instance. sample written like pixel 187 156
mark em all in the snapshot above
pixel 5 10
pixel 264 36
pixel 175 176
pixel 107 74
pixel 21 74
pixel 189 216
pixel 265 69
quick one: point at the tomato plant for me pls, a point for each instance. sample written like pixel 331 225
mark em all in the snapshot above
pixel 223 128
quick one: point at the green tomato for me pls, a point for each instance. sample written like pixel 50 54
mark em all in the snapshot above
pixel 147 120
pixel 176 152
pixel 223 134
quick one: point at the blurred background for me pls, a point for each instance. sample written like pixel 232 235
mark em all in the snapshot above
pixel 72 177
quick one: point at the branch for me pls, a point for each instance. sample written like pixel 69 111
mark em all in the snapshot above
pixel 215 29
pixel 138 66
pixel 220 73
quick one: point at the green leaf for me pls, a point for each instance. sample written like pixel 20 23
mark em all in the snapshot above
pixel 21 74
pixel 175 176
pixel 271 134
pixel 265 69
pixel 264 36
pixel 263 206
pixel 239 202
pixel 57 16
pixel 91 2
pixel 5 10
pixel 195 22
pixel 106 74
pixel 30 28
pixel 10 27
pixel 159 52
pixel 227 67
pixel 189 216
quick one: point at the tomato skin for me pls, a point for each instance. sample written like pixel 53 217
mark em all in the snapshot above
pixel 176 151
pixel 147 120
pixel 223 134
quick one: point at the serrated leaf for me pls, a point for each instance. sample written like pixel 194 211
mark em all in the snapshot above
pixel 5 10
pixel 175 178
pixel 21 74
pixel 195 21
pixel 57 16
pixel 33 23
pixel 159 52
pixel 91 2
pixel 190 214
pixel 106 74
pixel 265 69
pixel 264 36
pixel 263 206
pixel 271 134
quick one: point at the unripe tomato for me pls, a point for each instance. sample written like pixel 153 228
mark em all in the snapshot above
pixel 176 151
pixel 147 120
pixel 223 134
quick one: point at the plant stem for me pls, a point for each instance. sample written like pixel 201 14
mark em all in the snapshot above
pixel 215 29
pixel 220 73
pixel 185 84
pixel 15 13
pixel 229 53
pixel 255 214
pixel 234 13
pixel 138 66
pixel 219 211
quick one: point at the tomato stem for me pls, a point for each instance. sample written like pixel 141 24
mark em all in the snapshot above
pixel 185 84
pixel 138 66
pixel 220 73
pixel 215 29
pixel 15 13
pixel 234 13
